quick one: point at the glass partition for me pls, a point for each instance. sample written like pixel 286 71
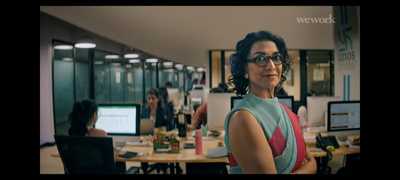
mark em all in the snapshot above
pixel 167 74
pixel 102 77
pixel 63 87
pixel 82 74
pixel 150 76
pixel 117 82
pixel 134 83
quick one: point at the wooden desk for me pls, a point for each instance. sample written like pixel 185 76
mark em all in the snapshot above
pixel 184 156
pixel 317 152
pixel 50 162
pixel 341 151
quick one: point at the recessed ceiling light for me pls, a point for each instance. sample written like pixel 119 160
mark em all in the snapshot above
pixel 179 66
pixel 200 69
pixel 131 55
pixel 168 63
pixel 151 60
pixel 67 59
pixel 63 47
pixel 85 45
pixel 133 61
pixel 112 56
pixel 190 68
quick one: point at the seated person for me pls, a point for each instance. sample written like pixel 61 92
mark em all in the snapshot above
pixel 158 109
pixel 83 118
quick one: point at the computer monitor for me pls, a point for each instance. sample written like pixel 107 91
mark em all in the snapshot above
pixel 119 119
pixel 235 100
pixel 287 100
pixel 317 110
pixel 343 116
pixel 218 107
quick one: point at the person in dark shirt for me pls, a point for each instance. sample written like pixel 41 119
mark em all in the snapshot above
pixel 158 109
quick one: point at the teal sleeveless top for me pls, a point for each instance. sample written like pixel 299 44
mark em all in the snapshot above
pixel 280 127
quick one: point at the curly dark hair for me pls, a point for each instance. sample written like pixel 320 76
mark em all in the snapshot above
pixel 238 60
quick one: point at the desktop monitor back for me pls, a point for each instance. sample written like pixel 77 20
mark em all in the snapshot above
pixel 343 117
pixel 317 110
pixel 120 121
pixel 218 107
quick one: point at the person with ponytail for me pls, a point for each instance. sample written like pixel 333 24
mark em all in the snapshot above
pixel 83 118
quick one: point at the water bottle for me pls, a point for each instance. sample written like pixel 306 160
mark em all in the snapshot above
pixel 199 142
pixel 302 113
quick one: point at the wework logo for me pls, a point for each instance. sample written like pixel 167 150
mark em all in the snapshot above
pixel 316 20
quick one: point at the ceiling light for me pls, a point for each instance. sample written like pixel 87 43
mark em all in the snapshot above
pixel 200 69
pixel 133 61
pixel 67 59
pixel 151 60
pixel 85 45
pixel 111 56
pixel 190 68
pixel 63 47
pixel 179 66
pixel 131 55
pixel 168 63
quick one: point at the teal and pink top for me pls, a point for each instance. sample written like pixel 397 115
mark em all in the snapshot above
pixel 281 128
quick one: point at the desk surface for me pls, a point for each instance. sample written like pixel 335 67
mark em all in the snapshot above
pixel 185 155
pixel 50 162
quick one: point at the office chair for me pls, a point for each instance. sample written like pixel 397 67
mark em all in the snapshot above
pixel 87 155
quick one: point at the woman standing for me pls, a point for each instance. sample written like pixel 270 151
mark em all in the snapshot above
pixel 262 135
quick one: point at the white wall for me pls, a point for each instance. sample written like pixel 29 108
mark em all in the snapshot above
pixel 46 94
pixel 347 66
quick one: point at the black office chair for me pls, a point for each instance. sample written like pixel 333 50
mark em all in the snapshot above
pixel 87 155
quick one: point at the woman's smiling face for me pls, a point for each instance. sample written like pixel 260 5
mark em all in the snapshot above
pixel 265 75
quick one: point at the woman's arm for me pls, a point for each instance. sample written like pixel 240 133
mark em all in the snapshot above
pixel 97 132
pixel 309 166
pixel 249 145
pixel 196 120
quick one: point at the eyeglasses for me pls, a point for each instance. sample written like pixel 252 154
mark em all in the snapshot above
pixel 263 58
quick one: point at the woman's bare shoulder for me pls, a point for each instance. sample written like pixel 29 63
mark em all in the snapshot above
pixel 97 132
